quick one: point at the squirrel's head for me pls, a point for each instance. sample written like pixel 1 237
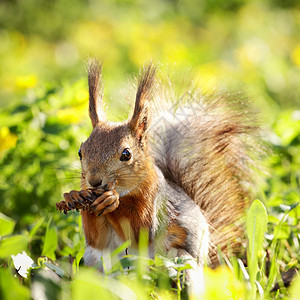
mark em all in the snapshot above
pixel 116 154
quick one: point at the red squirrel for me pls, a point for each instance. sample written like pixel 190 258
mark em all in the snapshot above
pixel 186 177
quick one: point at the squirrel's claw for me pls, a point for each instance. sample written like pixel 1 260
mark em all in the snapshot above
pixel 89 194
pixel 101 204
pixel 93 201
pixel 109 208
pixel 77 199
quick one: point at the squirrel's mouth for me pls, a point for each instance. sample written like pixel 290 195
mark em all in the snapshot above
pixel 121 190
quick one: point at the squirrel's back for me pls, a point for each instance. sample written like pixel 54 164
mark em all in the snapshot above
pixel 206 145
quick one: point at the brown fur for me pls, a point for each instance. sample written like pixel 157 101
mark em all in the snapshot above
pixel 136 208
pixel 95 229
pixel 177 235
pixel 205 155
pixel 100 163
pixel 219 135
pixel 95 89
pixel 140 120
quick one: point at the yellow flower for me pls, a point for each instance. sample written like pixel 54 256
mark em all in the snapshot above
pixel 25 82
pixel 72 115
pixel 7 139
pixel 221 283
pixel 296 55
pixel 82 96
pixel 207 76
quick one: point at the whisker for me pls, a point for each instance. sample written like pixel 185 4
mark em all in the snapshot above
pixel 70 187
pixel 64 181
pixel 71 167
pixel 114 163
pixel 71 177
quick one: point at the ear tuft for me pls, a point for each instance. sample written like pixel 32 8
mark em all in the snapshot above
pixel 94 69
pixel 141 115
pixel 145 84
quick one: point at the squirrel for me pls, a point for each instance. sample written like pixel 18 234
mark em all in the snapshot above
pixel 186 176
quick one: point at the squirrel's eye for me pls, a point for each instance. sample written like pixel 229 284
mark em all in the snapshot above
pixel 79 154
pixel 126 155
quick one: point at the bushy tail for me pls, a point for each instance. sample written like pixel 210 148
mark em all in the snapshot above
pixel 207 146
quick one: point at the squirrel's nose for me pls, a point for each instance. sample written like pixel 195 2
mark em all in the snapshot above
pixel 95 183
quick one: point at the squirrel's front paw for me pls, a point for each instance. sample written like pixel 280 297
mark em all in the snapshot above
pixel 106 203
pixel 78 199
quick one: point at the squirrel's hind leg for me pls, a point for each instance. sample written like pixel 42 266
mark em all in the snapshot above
pixel 188 237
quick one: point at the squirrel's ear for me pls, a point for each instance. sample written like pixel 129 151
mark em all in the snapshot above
pixel 141 115
pixel 94 68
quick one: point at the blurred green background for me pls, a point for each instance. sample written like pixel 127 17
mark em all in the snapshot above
pixel 236 45
pixel 239 45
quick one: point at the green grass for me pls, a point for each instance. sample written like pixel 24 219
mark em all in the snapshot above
pixel 44 153
pixel 247 45
pixel 139 277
